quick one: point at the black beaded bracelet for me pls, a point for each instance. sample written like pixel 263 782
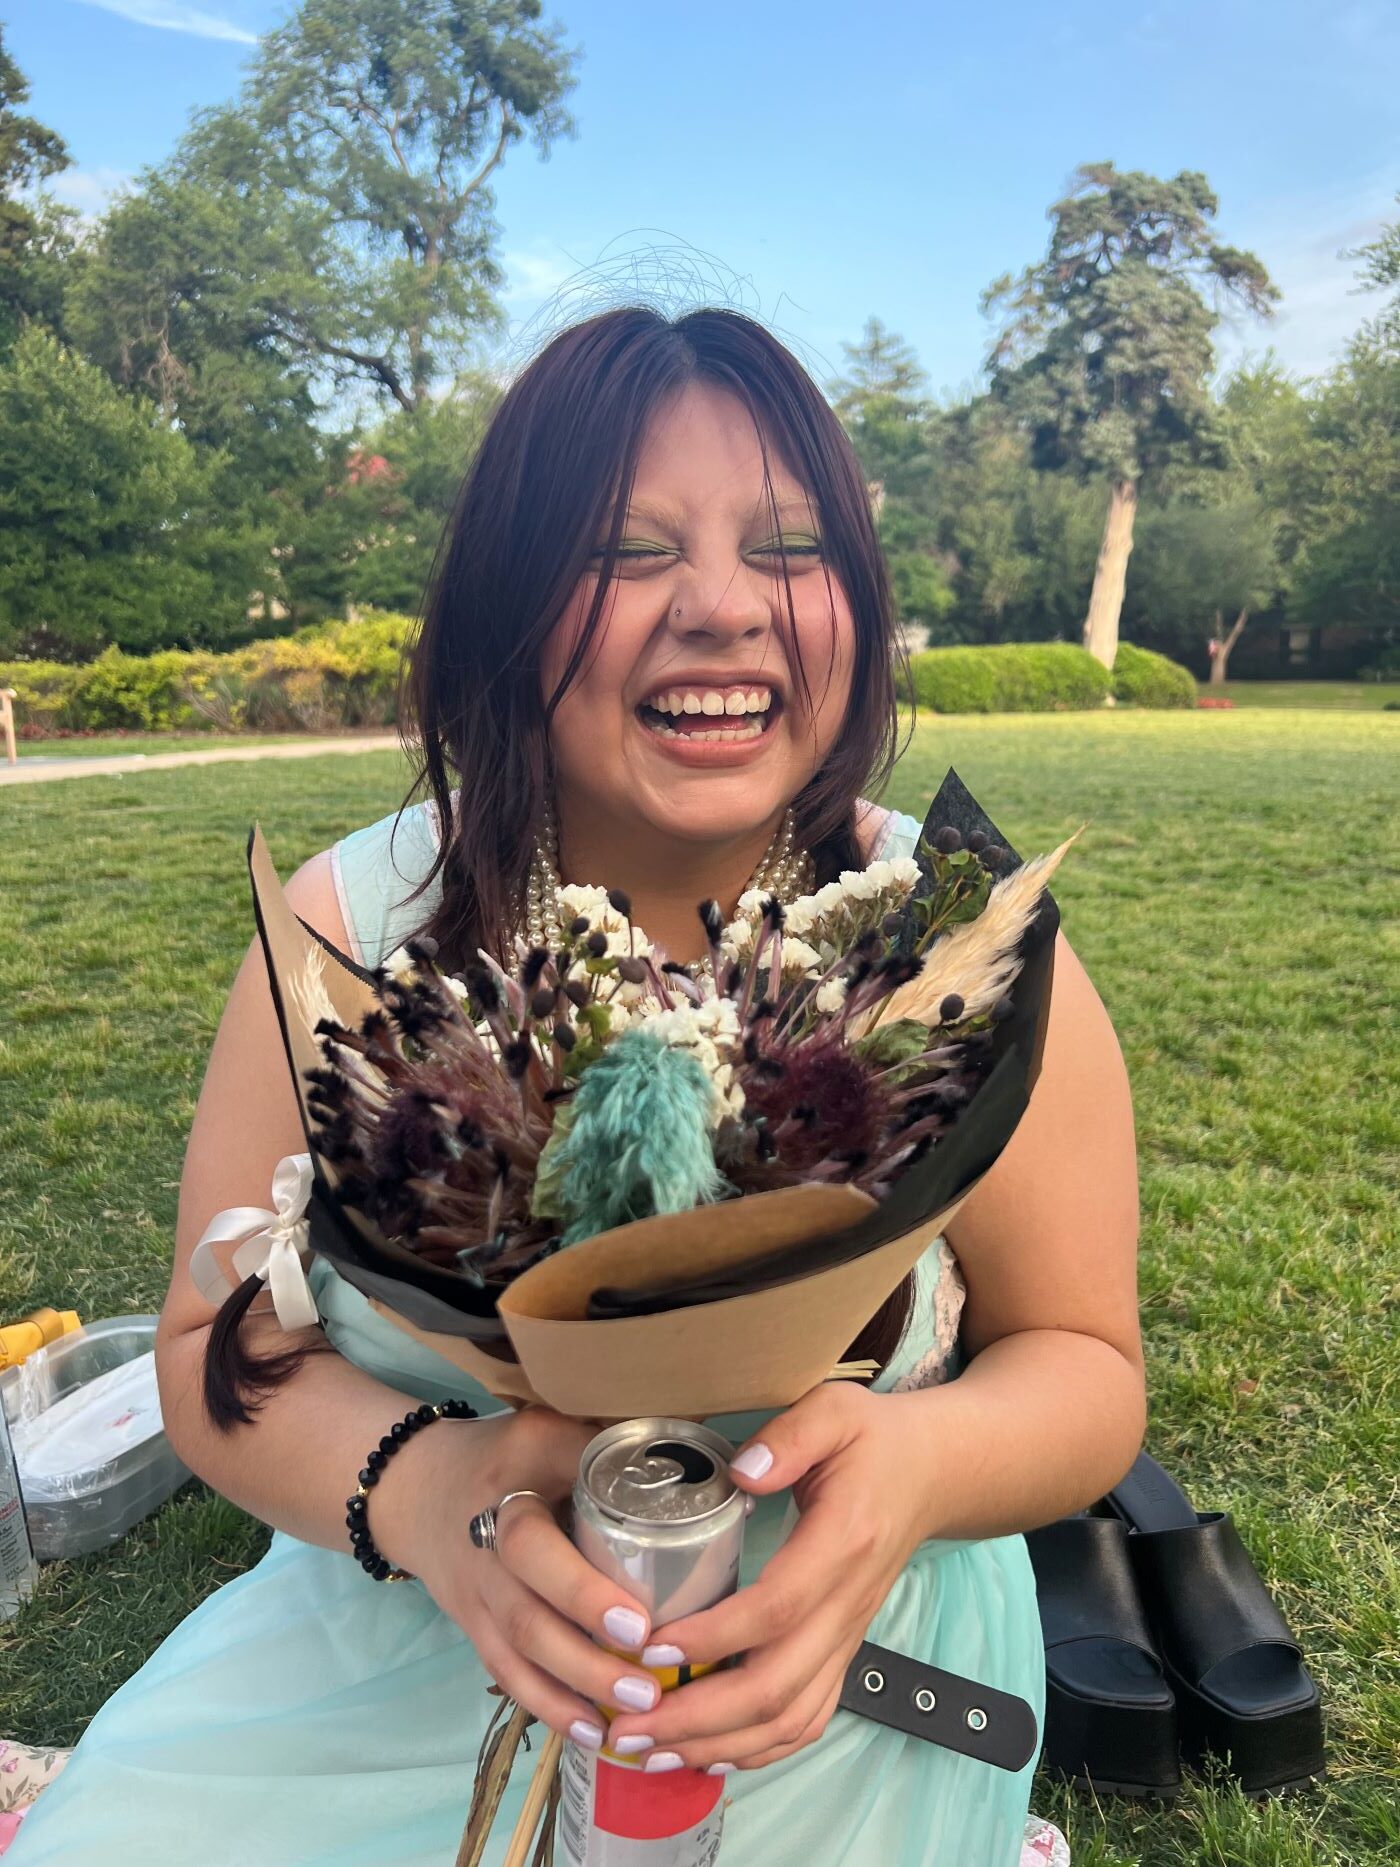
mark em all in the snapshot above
pixel 357 1507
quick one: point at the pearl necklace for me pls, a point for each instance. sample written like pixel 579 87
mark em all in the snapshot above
pixel 784 870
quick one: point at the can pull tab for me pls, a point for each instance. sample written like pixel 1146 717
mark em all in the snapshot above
pixel 666 1463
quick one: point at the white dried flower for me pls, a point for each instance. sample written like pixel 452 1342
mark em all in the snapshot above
pixel 862 884
pixel 709 1033
pixel 799 959
pixel 831 996
pixel 575 899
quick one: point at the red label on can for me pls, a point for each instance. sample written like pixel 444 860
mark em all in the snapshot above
pixel 640 1807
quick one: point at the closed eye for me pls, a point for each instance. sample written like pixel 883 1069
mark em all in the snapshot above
pixel 633 552
pixel 797 547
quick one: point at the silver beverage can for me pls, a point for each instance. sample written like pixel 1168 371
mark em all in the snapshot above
pixel 655 1509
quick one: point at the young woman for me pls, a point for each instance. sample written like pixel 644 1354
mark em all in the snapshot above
pixel 658 644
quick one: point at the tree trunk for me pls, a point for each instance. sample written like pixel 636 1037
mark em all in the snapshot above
pixel 1111 573
pixel 1220 648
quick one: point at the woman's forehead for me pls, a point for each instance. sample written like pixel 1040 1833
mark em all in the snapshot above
pixel 666 512
pixel 702 448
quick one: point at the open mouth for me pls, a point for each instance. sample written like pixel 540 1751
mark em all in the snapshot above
pixel 711 714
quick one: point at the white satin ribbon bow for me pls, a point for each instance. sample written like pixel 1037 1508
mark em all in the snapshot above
pixel 275 1251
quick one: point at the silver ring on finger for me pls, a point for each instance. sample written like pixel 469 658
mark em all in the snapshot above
pixel 482 1528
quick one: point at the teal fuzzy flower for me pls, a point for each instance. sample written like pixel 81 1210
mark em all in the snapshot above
pixel 633 1141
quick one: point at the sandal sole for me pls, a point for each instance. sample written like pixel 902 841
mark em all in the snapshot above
pixel 1266 1756
pixel 1136 1757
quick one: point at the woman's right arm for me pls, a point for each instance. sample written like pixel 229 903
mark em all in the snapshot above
pixel 296 1464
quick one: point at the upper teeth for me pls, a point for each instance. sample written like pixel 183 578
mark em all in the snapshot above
pixel 713 700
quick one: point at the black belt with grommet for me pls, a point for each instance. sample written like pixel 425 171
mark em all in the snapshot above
pixel 924 1701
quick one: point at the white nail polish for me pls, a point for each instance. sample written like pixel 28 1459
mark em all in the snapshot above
pixel 636 1694
pixel 660 1760
pixel 720 1769
pixel 625 1626
pixel 630 1746
pixel 662 1655
pixel 589 1735
pixel 756 1462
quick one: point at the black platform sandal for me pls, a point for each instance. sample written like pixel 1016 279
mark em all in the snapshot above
pixel 1242 1692
pixel 1110 1717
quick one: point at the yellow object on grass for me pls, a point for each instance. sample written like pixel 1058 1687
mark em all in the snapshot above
pixel 36 1330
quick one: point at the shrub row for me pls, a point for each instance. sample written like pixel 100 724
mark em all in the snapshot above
pixel 345 674
pixel 1044 677
pixel 331 675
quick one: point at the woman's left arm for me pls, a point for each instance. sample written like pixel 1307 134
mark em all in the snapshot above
pixel 1047 1415
pixel 1050 1411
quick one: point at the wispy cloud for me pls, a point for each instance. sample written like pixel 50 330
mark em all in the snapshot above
pixel 1304 241
pixel 89 190
pixel 176 16
pixel 531 277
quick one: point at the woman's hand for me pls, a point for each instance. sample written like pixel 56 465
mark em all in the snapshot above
pixel 860 1471
pixel 532 1607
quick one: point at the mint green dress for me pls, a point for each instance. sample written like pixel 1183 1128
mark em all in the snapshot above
pixel 306 1716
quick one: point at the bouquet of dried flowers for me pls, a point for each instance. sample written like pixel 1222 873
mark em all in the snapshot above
pixel 524 1165
pixel 488 1120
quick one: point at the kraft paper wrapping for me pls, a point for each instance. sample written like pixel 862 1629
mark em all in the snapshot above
pixel 762 1350
pixel 746 1349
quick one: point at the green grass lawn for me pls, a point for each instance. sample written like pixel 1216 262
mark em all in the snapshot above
pixel 126 745
pixel 1345 696
pixel 1234 902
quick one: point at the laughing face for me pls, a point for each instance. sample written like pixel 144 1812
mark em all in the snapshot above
pixel 690 720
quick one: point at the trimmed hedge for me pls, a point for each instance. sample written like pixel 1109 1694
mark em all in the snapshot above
pixel 331 675
pixel 1009 677
pixel 1045 677
pixel 1144 679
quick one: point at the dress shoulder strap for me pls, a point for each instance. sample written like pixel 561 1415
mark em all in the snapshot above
pixel 376 870
pixel 886 834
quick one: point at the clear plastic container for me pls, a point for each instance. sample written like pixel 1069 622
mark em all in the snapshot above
pixel 84 1415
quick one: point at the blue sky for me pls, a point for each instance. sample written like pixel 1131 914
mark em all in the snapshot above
pixel 816 163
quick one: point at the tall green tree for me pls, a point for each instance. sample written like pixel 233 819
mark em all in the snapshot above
pixel 882 404
pixel 372 538
pixel 30 153
pixel 374 127
pixel 172 300
pixel 1267 417
pixel 1201 569
pixel 110 528
pixel 1380 272
pixel 1104 346
pixel 1323 457
pixel 1019 542
pixel 1350 571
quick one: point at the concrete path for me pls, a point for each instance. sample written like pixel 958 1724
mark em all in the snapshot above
pixel 38 769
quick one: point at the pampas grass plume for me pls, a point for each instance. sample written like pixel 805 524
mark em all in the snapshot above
pixel 978 960
pixel 307 990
